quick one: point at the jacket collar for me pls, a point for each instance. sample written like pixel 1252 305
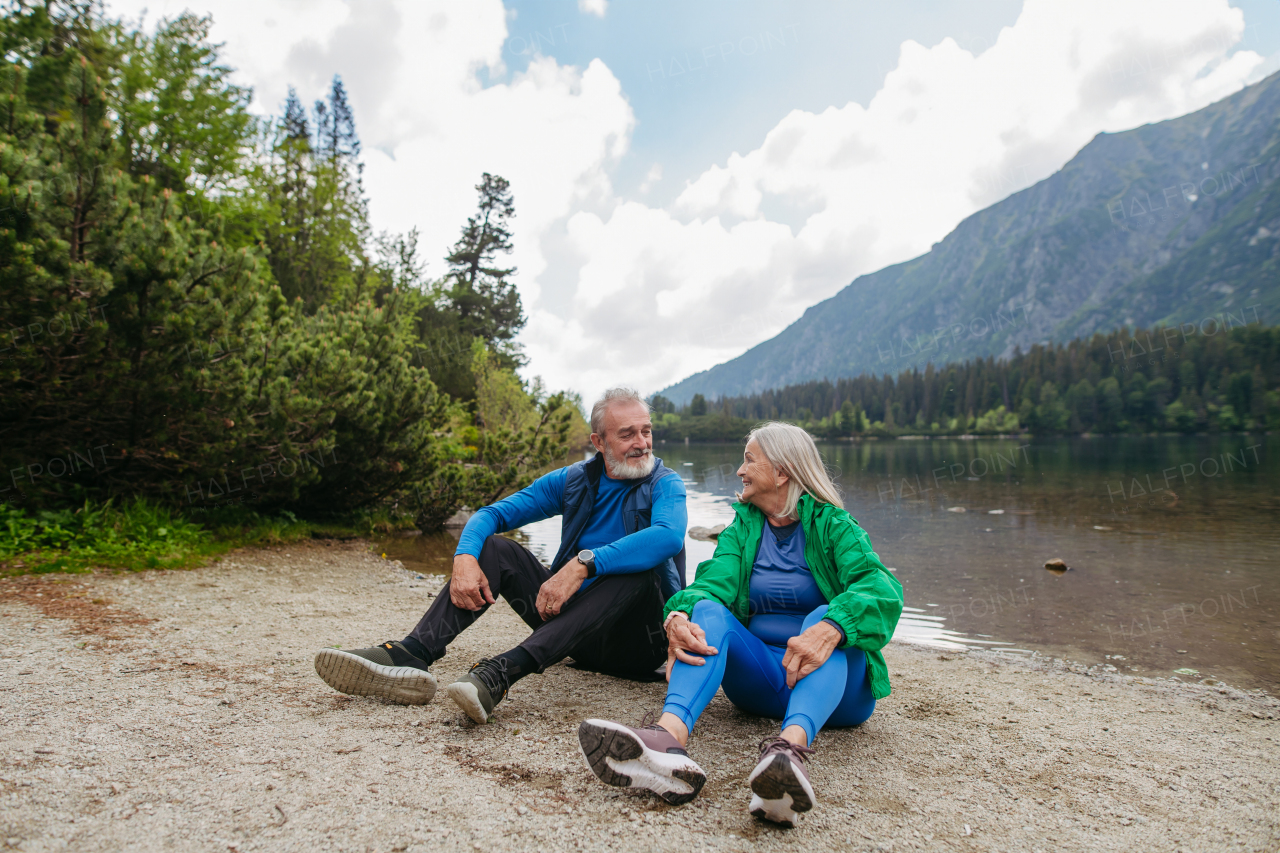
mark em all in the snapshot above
pixel 807 508
pixel 594 468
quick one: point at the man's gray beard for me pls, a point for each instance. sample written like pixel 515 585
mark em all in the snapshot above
pixel 625 470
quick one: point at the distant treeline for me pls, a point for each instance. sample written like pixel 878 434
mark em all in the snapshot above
pixel 1220 376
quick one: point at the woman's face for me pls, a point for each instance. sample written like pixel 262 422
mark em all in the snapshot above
pixel 761 482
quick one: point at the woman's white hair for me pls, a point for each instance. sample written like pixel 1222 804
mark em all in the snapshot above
pixel 791 450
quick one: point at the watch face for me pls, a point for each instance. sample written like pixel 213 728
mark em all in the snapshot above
pixel 585 556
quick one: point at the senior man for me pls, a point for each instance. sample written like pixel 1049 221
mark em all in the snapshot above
pixel 621 557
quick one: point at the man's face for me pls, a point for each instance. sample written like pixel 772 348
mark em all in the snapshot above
pixel 627 443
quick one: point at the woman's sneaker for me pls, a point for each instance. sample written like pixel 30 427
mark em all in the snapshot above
pixel 648 758
pixel 387 671
pixel 780 787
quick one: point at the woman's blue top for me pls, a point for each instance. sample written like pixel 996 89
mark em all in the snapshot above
pixel 783 591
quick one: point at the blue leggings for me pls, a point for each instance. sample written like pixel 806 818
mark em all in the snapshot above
pixel 751 672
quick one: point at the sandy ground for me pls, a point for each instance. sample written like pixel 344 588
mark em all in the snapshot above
pixel 180 711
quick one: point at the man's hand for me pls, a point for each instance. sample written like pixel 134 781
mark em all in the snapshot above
pixel 808 651
pixel 469 588
pixel 683 637
pixel 559 588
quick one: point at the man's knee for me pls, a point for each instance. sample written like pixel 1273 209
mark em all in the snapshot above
pixel 499 552
pixel 623 591
pixel 628 581
pixel 496 547
pixel 815 616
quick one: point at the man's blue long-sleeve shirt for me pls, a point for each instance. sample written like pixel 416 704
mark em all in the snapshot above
pixel 615 551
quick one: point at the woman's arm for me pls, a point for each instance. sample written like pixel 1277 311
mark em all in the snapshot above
pixel 809 650
pixel 685 640
pixel 717 578
pixel 868 609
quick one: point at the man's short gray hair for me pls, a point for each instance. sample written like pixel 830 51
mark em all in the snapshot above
pixel 613 395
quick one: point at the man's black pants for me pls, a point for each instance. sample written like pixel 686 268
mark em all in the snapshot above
pixel 613 626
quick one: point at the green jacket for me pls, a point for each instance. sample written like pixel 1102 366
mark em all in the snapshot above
pixel 863 598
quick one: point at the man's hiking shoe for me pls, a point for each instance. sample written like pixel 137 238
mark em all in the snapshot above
pixel 477 692
pixel 648 758
pixel 780 788
pixel 387 671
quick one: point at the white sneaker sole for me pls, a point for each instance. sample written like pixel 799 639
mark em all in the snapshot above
pixel 355 676
pixel 466 697
pixel 619 758
pixel 778 792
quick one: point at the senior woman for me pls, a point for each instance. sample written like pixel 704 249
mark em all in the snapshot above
pixel 788 617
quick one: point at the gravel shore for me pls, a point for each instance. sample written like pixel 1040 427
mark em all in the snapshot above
pixel 180 711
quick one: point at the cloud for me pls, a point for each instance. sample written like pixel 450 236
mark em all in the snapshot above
pixel 651 177
pixel 429 127
pixel 662 293
pixel 593 7
pixel 619 291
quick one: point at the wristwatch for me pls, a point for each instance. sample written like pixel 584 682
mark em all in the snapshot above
pixel 588 559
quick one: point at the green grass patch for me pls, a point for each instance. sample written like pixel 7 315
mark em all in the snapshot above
pixel 141 535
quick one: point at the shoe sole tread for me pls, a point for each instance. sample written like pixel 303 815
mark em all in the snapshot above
pixel 618 758
pixel 356 676
pixel 779 792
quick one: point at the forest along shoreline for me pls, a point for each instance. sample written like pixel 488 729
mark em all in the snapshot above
pixel 1187 380
pixel 184 710
pixel 239 357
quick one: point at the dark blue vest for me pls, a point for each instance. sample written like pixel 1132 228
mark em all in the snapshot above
pixel 580 485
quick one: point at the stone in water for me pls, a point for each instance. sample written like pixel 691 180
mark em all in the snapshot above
pixel 707 534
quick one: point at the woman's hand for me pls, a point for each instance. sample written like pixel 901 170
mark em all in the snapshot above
pixel 683 637
pixel 809 650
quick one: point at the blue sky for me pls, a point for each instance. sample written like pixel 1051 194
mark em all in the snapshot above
pixel 709 78
pixel 689 177
pixel 694 108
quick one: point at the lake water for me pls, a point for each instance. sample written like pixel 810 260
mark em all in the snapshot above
pixel 1172 543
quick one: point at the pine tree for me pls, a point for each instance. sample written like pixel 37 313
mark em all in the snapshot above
pixel 158 360
pixel 848 418
pixel 316 214
pixel 181 119
pixel 661 405
pixel 122 287
pixel 336 126
pixel 295 126
pixel 481 293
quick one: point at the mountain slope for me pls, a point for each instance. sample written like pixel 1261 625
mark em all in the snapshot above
pixel 1168 223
